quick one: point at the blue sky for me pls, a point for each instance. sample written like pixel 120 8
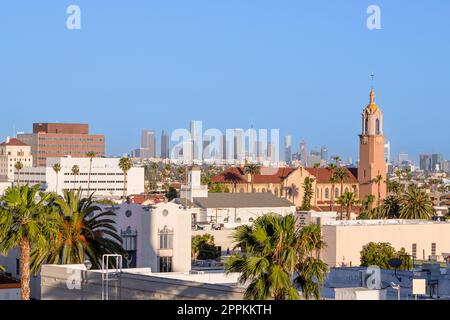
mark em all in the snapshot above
pixel 301 66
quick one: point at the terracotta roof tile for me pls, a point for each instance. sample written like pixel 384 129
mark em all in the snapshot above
pixel 13 142
pixel 323 175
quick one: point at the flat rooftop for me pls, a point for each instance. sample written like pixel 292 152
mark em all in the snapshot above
pixel 382 222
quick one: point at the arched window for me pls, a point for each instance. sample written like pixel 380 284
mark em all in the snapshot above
pixel 336 193
pixel 241 190
pixel 327 193
pixel 366 125
pixel 346 189
pixel 377 126
pixel 263 190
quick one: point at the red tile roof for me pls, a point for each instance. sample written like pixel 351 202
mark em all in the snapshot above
pixel 237 175
pixel 13 142
pixel 323 175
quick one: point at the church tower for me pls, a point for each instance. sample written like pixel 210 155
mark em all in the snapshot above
pixel 372 163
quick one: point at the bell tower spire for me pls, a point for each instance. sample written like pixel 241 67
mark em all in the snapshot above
pixel 372 163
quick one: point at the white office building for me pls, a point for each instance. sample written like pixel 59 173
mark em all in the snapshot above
pixel 107 179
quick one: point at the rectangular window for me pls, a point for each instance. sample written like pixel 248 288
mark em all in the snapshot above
pixel 414 251
pixel 166 241
pixel 17 266
pixel 433 249
pixel 165 264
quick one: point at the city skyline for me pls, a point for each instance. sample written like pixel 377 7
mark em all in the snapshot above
pixel 305 74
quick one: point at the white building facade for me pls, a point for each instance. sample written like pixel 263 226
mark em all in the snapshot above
pixel 11 152
pixel 107 179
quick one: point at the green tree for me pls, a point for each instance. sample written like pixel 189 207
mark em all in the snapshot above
pixel 308 193
pixel 25 223
pixel 378 180
pixel 347 201
pixel 390 207
pixel 278 259
pixel 75 172
pixel 332 167
pixel 203 247
pixel 379 254
pixel 85 232
pixel 171 194
pixel 341 174
pixel 91 155
pixel 56 168
pixel 252 170
pixel 18 166
pixel 125 165
pixel 416 204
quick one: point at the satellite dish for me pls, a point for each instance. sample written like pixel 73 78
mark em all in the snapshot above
pixel 395 263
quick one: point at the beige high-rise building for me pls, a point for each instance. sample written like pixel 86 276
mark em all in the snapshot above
pixel 372 162
pixel 11 152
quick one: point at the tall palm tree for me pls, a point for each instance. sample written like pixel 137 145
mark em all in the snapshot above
pixel 91 155
pixel 279 259
pixel 341 174
pixel 232 178
pixel 125 165
pixel 75 172
pixel 181 171
pixel 85 232
pixel 332 167
pixel 347 200
pixel 367 205
pixel 25 222
pixel 416 204
pixel 18 166
pixel 252 170
pixel 378 180
pixel 57 169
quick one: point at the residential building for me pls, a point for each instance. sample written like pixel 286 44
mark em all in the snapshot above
pixel 60 140
pixel 107 179
pixel 11 152
pixel 372 162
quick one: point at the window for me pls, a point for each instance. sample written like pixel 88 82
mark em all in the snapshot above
pixel 366 125
pixel 129 245
pixel 165 213
pixel 17 266
pixel 327 193
pixel 250 220
pixel 377 126
pixel 433 249
pixel 165 264
pixel 238 220
pixel 166 238
pixel 336 193
pixel 128 213
pixel 414 251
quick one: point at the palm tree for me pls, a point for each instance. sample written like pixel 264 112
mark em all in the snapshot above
pixel 341 174
pixel 292 191
pixel 252 169
pixel 416 204
pixel 308 193
pixel 181 171
pixel 91 155
pixel 347 200
pixel 332 167
pixel 85 232
pixel 57 169
pixel 232 178
pixel 378 180
pixel 336 159
pixel 125 165
pixel 278 259
pixel 367 205
pixel 18 166
pixel 75 172
pixel 391 207
pixel 25 222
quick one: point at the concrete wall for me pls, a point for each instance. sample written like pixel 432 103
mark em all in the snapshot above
pixel 345 242
pixel 62 283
